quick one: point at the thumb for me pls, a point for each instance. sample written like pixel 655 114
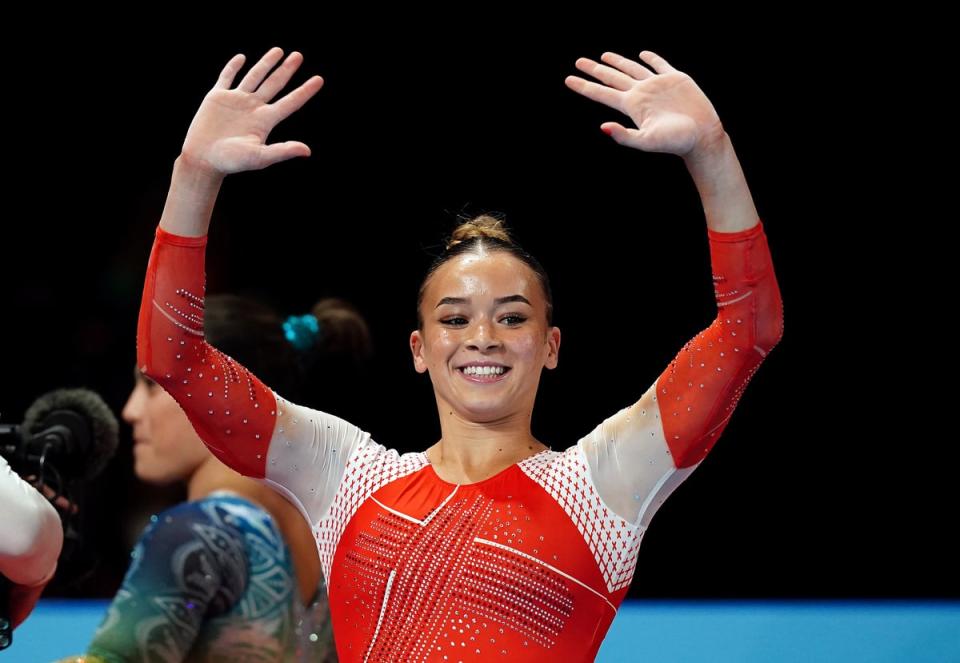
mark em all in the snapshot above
pixel 620 133
pixel 282 151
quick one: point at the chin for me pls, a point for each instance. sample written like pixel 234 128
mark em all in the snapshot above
pixel 153 477
pixel 484 412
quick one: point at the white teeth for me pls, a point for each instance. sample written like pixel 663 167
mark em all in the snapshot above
pixel 484 370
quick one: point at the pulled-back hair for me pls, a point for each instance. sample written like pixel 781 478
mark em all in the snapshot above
pixel 485 233
pixel 255 335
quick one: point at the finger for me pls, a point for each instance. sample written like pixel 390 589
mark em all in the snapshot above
pixel 621 134
pixel 255 76
pixel 609 75
pixel 278 152
pixel 292 102
pixel 634 69
pixel 659 65
pixel 603 94
pixel 66 505
pixel 280 77
pixel 230 71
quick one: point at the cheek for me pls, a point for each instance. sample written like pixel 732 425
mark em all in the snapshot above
pixel 166 423
pixel 173 441
pixel 441 343
pixel 529 346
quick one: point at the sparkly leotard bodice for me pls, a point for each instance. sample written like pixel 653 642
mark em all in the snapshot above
pixel 528 564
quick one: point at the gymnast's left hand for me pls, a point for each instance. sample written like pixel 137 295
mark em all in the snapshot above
pixel 671 113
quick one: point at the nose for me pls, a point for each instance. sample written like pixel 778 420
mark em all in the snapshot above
pixel 133 408
pixel 483 337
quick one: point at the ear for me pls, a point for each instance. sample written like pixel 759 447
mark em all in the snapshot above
pixel 416 347
pixel 553 343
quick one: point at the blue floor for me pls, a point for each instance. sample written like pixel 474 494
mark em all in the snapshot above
pixel 660 632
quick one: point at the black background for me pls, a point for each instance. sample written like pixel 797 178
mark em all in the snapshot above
pixel 826 482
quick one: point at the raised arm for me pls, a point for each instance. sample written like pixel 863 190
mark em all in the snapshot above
pixel 243 422
pixel 639 455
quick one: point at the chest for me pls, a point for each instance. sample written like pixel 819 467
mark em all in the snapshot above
pixel 424 567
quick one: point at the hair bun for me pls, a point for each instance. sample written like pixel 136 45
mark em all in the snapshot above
pixel 344 330
pixel 484 226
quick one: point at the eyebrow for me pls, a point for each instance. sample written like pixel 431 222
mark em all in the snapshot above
pixel 496 302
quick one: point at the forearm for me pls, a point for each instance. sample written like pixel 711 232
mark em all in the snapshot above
pixel 23 599
pixel 723 189
pixel 190 200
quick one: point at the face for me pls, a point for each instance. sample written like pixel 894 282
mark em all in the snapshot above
pixel 485 308
pixel 165 446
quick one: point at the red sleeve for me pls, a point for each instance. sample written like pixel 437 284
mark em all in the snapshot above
pixel 231 410
pixel 700 388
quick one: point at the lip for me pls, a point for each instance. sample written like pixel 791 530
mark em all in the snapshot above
pixel 486 379
pixel 482 363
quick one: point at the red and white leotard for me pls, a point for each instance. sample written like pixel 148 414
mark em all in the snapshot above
pixel 529 564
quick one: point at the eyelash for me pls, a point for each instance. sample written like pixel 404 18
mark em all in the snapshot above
pixel 449 321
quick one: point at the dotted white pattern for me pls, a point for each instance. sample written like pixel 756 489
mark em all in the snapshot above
pixel 614 542
pixel 370 467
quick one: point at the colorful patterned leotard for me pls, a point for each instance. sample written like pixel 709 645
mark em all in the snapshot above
pixel 209 580
pixel 529 564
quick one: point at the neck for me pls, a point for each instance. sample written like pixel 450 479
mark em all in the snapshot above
pixel 471 451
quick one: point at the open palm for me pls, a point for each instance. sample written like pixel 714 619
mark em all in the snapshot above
pixel 229 132
pixel 671 113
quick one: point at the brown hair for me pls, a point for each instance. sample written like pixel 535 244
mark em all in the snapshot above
pixel 252 332
pixel 485 232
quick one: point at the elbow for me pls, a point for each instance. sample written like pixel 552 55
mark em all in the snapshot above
pixel 32 549
pixel 143 341
pixel 769 318
pixel 143 362
pixel 33 531
pixel 771 333
pixel 146 322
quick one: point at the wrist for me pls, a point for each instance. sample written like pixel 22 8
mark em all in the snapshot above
pixel 711 145
pixel 708 161
pixel 196 172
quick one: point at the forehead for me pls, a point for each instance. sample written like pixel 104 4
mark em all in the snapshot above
pixel 493 274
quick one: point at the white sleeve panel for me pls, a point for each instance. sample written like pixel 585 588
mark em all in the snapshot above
pixel 31 535
pixel 630 462
pixel 308 456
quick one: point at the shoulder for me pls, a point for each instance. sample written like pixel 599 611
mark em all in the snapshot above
pixel 375 455
pixel 549 463
pixel 212 525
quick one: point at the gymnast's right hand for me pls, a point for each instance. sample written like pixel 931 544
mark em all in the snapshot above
pixel 229 132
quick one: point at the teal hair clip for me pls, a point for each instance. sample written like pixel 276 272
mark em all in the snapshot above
pixel 302 331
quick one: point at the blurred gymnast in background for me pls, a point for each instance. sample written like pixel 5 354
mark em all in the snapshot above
pixel 232 574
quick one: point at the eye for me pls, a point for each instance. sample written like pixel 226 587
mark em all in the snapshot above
pixel 453 321
pixel 518 318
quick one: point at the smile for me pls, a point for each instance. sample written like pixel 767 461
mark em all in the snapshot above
pixel 484 377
